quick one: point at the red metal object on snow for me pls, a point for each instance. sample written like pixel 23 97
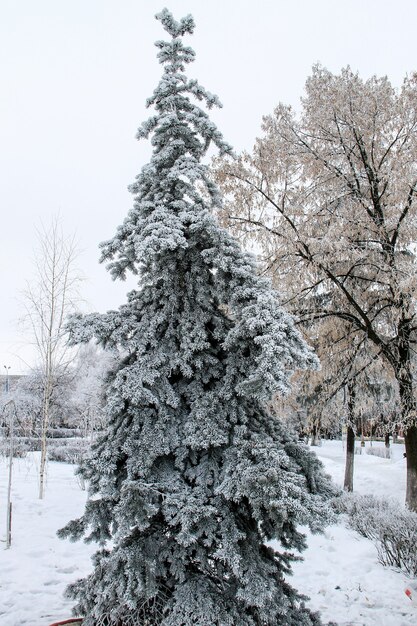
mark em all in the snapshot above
pixel 411 593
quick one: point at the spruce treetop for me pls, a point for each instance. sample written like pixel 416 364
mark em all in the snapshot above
pixel 181 135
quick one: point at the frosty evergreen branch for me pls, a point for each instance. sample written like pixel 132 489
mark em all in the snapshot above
pixel 193 474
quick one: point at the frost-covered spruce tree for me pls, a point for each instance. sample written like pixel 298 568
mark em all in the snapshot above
pixel 193 476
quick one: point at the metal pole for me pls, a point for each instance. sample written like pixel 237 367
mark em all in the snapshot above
pixel 9 487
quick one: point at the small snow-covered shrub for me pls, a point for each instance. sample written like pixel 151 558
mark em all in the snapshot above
pixel 391 527
pixel 60 433
pixel 70 453
pixel 20 448
pixel 383 453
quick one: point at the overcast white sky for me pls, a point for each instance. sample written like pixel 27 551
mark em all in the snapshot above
pixel 74 78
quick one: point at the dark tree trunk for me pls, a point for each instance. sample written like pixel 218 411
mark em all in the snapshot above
pixel 315 434
pixel 350 440
pixel 410 439
pixel 350 457
pixel 408 411
pixel 387 440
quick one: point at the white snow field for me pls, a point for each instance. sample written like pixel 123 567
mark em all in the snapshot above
pixel 340 571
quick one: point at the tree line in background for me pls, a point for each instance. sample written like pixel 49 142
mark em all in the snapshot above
pixel 75 409
pixel 327 198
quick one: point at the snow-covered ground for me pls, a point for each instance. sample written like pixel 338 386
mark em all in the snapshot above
pixel 340 571
pixel 36 569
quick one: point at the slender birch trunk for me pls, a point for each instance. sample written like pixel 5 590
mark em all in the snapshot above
pixel 44 431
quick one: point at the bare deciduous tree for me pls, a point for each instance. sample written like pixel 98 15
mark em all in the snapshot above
pixel 49 298
pixel 329 197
